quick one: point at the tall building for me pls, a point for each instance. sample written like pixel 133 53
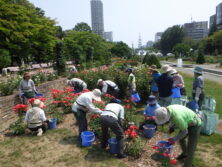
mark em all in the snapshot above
pixel 196 30
pixel 158 36
pixel 212 20
pixel 108 36
pixel 219 16
pixel 97 17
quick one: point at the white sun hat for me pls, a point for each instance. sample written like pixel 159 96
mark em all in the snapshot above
pixel 38 103
pixel 166 68
pixel 173 71
pixel 162 115
pixel 96 94
pixel 99 80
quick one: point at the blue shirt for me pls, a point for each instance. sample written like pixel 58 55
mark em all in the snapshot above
pixel 154 85
pixel 149 110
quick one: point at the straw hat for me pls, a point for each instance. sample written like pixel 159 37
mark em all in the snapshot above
pixel 100 80
pixel 38 103
pixel 166 68
pixel 198 70
pixel 96 94
pixel 173 71
pixel 162 115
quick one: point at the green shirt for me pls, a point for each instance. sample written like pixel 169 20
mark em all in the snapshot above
pixel 182 116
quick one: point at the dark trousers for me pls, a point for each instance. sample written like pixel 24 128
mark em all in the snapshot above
pixel 113 92
pixel 201 99
pixel 43 126
pixel 81 121
pixel 189 147
pixel 110 122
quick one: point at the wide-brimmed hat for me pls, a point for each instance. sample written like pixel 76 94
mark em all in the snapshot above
pixel 153 68
pixel 162 115
pixel 38 103
pixel 198 70
pixel 152 100
pixel 99 80
pixel 166 68
pixel 96 94
pixel 173 71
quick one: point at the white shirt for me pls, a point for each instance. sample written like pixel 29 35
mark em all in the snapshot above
pixel 35 116
pixel 115 110
pixel 109 83
pixel 26 86
pixel 84 102
pixel 79 82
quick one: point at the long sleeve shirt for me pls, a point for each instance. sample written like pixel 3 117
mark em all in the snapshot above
pixel 165 85
pixel 84 102
pixel 76 82
pixel 108 83
pixel 132 81
pixel 26 86
pixel 149 110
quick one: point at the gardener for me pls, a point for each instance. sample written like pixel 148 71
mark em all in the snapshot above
pixel 77 84
pixel 155 74
pixel 112 117
pixel 131 87
pixel 198 85
pixel 108 87
pixel 165 85
pixel 36 119
pixel 178 81
pixel 149 114
pixel 189 125
pixel 83 104
pixel 27 88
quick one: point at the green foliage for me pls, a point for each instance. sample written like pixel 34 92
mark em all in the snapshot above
pixel 170 38
pixel 151 59
pixel 135 148
pixel 121 49
pixel 96 126
pixel 18 128
pixel 60 64
pixel 182 49
pixel 5 59
pixel 200 58
pixel 82 27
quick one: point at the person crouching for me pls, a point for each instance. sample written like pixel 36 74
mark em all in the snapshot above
pixel 36 119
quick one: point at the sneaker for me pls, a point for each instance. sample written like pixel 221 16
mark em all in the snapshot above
pixel 39 132
pixel 181 157
pixel 120 156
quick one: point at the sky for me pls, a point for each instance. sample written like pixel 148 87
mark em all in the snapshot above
pixel 129 18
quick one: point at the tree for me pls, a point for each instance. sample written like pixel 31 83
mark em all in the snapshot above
pixel 151 59
pixel 200 58
pixel 213 28
pixel 82 27
pixel 60 64
pixel 170 38
pixel 121 49
pixel 182 49
pixel 5 59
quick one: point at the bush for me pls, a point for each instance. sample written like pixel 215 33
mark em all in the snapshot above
pixel 135 147
pixel 151 59
pixel 18 128
pixel 200 58
pixel 5 59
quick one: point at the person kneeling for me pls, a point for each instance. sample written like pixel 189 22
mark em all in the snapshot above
pixel 112 117
pixel 35 118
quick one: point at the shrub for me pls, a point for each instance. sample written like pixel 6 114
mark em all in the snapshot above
pixel 5 59
pixel 151 59
pixel 135 147
pixel 200 58
pixel 18 128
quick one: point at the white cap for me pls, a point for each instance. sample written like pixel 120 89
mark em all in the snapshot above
pixel 173 71
pixel 96 94
pixel 38 103
pixel 100 80
pixel 166 68
pixel 162 115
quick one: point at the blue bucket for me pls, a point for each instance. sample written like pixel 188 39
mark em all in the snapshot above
pixel 112 145
pixel 87 138
pixel 164 146
pixel 135 96
pixel 149 130
pixel 176 93
pixel 52 123
pixel 39 95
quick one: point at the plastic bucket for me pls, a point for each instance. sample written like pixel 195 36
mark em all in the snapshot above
pixel 112 145
pixel 164 146
pixel 176 93
pixel 39 95
pixel 149 130
pixel 87 138
pixel 135 97
pixel 52 123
